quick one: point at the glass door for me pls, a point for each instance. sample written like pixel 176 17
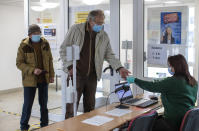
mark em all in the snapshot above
pixel 169 29
pixel 78 12
pixel 157 19
pixel 46 14
pixel 126 34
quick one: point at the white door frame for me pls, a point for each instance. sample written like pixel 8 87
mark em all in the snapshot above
pixel 115 43
pixel 115 26
pixel 26 17
pixel 138 42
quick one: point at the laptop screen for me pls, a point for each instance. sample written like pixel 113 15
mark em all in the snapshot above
pixel 121 92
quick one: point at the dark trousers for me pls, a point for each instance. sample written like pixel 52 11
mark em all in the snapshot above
pixel 163 125
pixel 87 87
pixel 29 95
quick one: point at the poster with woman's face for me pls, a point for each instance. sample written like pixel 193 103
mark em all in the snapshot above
pixel 170 28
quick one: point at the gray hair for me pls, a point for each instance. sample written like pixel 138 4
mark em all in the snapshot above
pixel 92 14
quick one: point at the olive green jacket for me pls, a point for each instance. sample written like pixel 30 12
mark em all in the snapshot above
pixel 26 61
pixel 177 96
pixel 103 50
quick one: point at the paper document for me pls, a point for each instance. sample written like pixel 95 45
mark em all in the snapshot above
pixel 97 120
pixel 160 111
pixel 118 112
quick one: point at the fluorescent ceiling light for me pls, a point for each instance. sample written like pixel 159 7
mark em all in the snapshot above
pixel 150 0
pixel 38 8
pixel 171 2
pixel 43 4
pixel 49 4
pixel 92 2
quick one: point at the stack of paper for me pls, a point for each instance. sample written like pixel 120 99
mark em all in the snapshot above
pixel 97 120
pixel 118 112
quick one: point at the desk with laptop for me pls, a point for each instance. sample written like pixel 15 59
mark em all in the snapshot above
pixel 125 96
pixel 110 117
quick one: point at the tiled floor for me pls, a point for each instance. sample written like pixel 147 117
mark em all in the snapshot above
pixel 11 103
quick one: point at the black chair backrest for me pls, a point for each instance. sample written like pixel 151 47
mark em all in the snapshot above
pixel 143 122
pixel 190 121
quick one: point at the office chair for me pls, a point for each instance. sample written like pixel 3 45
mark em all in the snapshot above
pixel 143 122
pixel 190 120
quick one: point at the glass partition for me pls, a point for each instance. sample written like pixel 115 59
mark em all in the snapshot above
pixel 126 34
pixel 46 14
pixel 78 12
pixel 168 30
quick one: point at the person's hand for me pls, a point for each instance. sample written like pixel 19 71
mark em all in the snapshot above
pixel 70 72
pixel 130 79
pixel 124 72
pixel 37 71
pixel 51 79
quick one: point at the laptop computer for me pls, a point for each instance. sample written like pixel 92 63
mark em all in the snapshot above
pixel 127 97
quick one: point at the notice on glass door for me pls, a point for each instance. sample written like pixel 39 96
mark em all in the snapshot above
pixel 157 54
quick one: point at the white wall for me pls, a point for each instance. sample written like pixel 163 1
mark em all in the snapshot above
pixel 11 33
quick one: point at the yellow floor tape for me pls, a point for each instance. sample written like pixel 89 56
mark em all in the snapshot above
pixel 9 113
pixel 32 127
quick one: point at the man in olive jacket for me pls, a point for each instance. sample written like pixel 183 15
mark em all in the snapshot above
pixel 95 47
pixel 35 61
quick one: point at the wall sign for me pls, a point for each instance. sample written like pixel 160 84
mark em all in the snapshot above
pixel 157 54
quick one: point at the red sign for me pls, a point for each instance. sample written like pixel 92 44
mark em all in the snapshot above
pixel 170 18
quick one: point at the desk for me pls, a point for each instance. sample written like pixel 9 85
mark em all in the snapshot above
pixel 75 124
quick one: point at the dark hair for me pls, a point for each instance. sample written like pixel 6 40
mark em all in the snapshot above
pixel 92 14
pixel 33 28
pixel 178 62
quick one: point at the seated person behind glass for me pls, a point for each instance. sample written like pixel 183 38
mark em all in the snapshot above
pixel 178 93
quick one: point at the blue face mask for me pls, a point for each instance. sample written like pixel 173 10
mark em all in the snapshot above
pixel 97 28
pixel 36 38
pixel 171 72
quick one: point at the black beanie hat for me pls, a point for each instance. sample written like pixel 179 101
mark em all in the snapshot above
pixel 33 28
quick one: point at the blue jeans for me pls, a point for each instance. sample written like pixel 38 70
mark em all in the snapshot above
pixel 29 95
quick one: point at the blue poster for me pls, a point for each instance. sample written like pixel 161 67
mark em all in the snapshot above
pixel 170 28
pixel 50 32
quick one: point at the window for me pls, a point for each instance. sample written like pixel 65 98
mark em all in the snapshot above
pixel 126 34
pixel 78 12
pixel 46 13
pixel 168 30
